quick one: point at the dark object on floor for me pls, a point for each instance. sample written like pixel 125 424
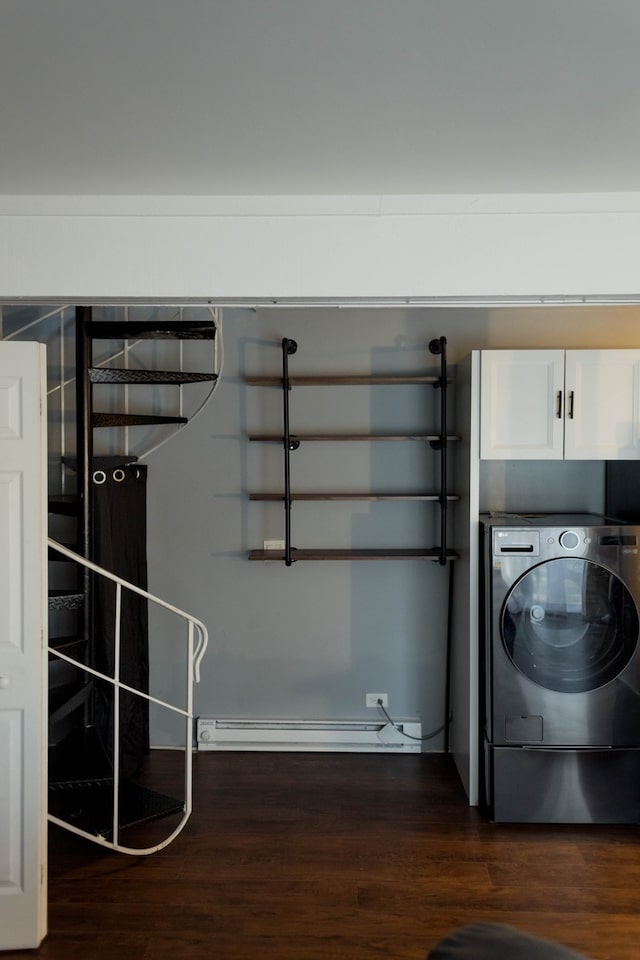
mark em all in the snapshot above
pixel 497 941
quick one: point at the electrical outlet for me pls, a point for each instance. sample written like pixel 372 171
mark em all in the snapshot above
pixel 273 544
pixel 371 699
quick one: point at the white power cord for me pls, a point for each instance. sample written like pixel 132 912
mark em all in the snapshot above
pixel 399 729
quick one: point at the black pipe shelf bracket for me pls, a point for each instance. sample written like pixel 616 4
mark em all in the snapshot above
pixel 437 439
pixel 438 347
pixel 289 347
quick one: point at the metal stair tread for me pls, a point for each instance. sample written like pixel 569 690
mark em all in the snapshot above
pixel 123 375
pixel 131 419
pixel 88 804
pixel 63 504
pixel 78 757
pixel 66 643
pixel 55 557
pixel 65 599
pixel 103 462
pixel 63 700
pixel 151 329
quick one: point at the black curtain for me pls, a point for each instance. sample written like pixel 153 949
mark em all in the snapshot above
pixel 119 543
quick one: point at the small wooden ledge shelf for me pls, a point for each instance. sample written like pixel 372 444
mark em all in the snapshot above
pixel 275 497
pixel 349 554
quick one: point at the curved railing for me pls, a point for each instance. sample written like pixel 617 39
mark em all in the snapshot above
pixel 196 645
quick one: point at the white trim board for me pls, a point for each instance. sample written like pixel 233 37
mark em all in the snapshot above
pixel 227 249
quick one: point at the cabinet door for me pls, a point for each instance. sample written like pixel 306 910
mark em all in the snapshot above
pixel 521 400
pixel 602 415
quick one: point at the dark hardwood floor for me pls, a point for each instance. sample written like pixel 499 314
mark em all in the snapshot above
pixel 339 857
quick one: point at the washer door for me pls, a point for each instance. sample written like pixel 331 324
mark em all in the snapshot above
pixel 570 625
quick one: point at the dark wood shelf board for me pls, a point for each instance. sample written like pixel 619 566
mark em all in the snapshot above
pixel 345 380
pixel 275 497
pixel 347 437
pixel 377 554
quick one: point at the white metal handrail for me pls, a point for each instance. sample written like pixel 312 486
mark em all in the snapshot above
pixel 197 640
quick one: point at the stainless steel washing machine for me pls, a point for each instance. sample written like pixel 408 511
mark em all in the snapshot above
pixel 561 669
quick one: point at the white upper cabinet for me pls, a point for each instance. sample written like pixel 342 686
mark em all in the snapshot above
pixel 602 416
pixel 555 404
pixel 521 396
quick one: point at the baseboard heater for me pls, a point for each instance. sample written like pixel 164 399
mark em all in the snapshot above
pixel 348 736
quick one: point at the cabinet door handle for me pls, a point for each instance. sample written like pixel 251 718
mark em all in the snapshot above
pixel 559 405
pixel 571 405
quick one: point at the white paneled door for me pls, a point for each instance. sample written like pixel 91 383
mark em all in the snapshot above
pixel 22 645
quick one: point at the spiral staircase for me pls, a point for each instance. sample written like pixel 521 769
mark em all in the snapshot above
pixel 122 381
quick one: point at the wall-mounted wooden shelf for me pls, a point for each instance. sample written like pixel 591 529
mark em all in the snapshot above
pixel 275 497
pixel 344 380
pixel 378 554
pixel 290 442
pixel 346 437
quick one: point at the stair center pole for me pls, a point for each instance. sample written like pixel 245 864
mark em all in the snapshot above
pixel 84 458
pixel 84 452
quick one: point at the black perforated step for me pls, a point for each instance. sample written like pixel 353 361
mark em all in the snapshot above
pixel 119 375
pixel 151 329
pixel 65 600
pixel 58 557
pixel 79 757
pixel 63 701
pixel 102 463
pixel 66 505
pixel 71 645
pixel 88 805
pixel 63 676
pixel 131 419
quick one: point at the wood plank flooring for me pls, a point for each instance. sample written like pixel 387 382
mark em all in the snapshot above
pixel 338 857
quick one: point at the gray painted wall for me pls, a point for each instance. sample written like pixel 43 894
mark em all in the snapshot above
pixel 308 641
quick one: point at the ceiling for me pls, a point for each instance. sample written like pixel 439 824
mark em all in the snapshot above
pixel 303 97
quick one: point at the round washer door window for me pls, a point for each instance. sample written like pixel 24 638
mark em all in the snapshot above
pixel 570 625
